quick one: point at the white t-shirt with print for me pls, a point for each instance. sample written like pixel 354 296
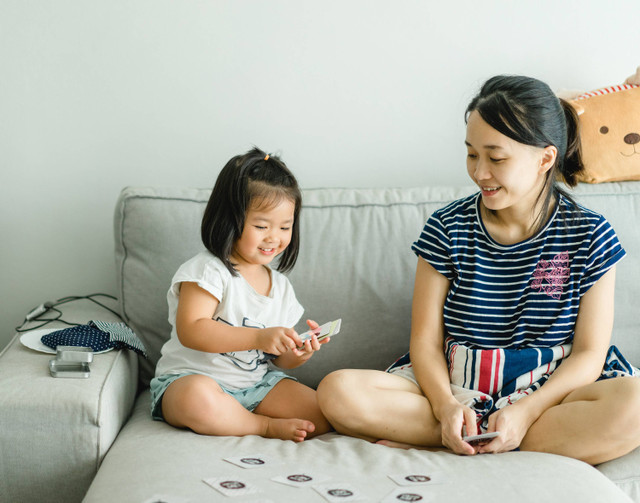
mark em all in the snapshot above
pixel 240 306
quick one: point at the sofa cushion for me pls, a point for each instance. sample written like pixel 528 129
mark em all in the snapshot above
pixel 624 473
pixel 355 263
pixel 620 204
pixel 156 230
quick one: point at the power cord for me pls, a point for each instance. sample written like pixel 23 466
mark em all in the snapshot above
pixel 37 313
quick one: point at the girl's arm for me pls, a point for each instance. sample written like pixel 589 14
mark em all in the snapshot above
pixel 583 366
pixel 196 330
pixel 428 358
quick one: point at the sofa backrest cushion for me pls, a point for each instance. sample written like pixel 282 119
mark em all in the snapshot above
pixel 355 263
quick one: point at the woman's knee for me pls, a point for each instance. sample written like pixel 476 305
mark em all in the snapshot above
pixel 331 387
pixel 344 394
pixel 624 407
pixel 342 383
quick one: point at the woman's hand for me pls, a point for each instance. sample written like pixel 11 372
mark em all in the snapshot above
pixel 452 418
pixel 512 422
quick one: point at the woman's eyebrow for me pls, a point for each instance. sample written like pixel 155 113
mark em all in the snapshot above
pixel 487 147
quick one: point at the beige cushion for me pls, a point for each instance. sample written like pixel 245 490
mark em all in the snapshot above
pixel 355 263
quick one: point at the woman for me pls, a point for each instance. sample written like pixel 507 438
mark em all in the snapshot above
pixel 511 282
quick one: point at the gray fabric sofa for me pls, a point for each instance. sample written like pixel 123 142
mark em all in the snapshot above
pixel 93 439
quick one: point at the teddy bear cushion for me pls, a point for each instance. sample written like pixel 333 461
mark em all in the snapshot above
pixel 610 133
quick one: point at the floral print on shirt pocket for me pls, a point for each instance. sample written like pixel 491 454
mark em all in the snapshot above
pixel 551 275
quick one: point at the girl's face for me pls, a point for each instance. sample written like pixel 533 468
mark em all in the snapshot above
pixel 509 174
pixel 267 232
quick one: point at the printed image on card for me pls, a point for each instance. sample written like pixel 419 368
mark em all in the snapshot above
pixel 301 479
pixel 232 486
pixel 417 479
pixel 251 461
pixel 327 330
pixel 339 492
pixel 408 494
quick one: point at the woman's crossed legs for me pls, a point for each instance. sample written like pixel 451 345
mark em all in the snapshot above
pixel 595 423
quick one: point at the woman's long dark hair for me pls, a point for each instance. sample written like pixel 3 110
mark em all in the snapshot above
pixel 526 110
pixel 245 180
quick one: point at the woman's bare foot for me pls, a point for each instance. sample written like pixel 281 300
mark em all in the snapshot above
pixel 397 445
pixel 289 429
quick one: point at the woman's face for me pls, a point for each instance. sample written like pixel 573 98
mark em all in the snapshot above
pixel 509 174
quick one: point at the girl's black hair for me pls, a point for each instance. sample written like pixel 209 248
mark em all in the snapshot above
pixel 245 180
pixel 526 110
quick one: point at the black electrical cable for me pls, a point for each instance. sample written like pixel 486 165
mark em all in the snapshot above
pixel 46 307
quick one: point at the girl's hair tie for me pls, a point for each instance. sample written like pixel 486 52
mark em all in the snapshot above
pixel 266 157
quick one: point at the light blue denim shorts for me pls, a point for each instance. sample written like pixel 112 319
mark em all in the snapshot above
pixel 249 398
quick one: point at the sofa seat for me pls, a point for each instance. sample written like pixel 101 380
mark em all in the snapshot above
pixel 151 459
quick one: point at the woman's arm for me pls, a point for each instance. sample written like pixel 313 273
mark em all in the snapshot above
pixel 196 330
pixel 583 366
pixel 428 358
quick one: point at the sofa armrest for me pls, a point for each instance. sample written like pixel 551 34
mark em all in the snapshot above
pixel 55 431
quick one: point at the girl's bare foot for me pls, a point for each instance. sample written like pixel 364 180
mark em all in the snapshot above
pixel 289 429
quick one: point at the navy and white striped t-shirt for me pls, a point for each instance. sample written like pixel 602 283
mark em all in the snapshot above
pixel 521 295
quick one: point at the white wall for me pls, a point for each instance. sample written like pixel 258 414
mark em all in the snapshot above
pixel 98 95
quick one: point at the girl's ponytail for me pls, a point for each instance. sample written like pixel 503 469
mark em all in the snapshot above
pixel 571 166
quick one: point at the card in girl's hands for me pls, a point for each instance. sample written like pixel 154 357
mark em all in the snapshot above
pixel 327 330
pixel 251 461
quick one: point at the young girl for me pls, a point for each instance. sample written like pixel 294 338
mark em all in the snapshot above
pixel 511 282
pixel 231 314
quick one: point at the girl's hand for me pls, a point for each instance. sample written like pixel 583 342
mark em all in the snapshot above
pixel 512 422
pixel 277 340
pixel 306 350
pixel 452 418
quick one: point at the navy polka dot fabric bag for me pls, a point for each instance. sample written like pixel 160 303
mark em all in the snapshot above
pixel 97 335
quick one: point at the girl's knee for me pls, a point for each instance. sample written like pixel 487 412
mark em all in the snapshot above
pixel 189 399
